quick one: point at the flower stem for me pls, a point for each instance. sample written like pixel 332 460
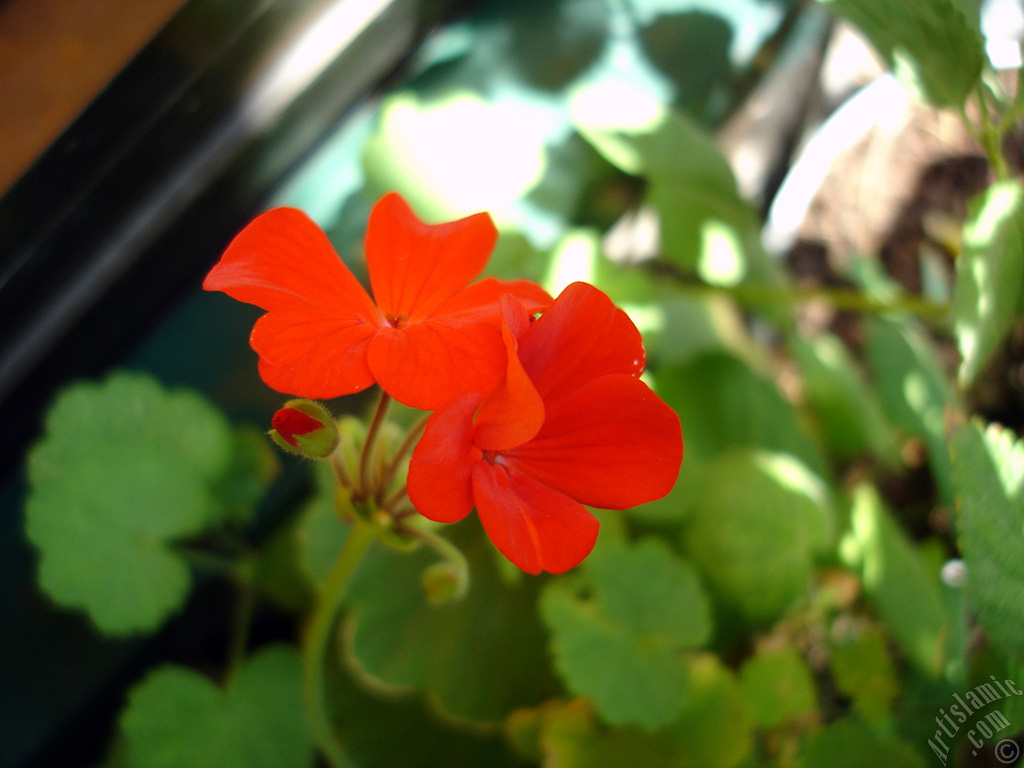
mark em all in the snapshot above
pixel 791 295
pixel 404 447
pixel 318 636
pixel 371 437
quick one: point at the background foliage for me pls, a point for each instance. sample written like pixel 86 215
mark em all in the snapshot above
pixel 839 558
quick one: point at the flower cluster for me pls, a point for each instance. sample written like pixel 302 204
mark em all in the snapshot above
pixel 538 406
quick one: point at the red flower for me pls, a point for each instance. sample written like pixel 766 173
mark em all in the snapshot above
pixel 428 337
pixel 572 424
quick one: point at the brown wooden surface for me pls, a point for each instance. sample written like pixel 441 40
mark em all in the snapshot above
pixel 55 57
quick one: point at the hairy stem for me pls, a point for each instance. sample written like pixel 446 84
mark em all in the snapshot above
pixel 318 637
pixel 371 437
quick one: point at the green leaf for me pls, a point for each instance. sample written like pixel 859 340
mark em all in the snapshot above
pixel 905 592
pixel 848 743
pixel 722 403
pixel 778 687
pixel 990 276
pixel 851 417
pixel 705 225
pixel 177 718
pixel 914 391
pixel 932 44
pixel 712 730
pixel 757 521
pixel 380 731
pixel 254 466
pixel 477 658
pixel 124 469
pixel 617 634
pixel 988 476
pixel 863 669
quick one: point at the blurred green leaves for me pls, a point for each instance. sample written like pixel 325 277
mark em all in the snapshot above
pixel 990 276
pixel 468 658
pixel 177 718
pixel 126 470
pixel 712 730
pixel 934 45
pixel 989 483
pixel 897 579
pixel 618 630
pixel 756 518
pixel 778 687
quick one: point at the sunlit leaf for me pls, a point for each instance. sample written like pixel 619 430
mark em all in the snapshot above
pixel 178 718
pixel 905 592
pixel 851 417
pixel 990 276
pixel 125 469
pixel 914 391
pixel 755 524
pixel 617 633
pixel 932 44
pixel 988 475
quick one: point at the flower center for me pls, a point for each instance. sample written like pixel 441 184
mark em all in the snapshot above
pixel 494 456
pixel 396 321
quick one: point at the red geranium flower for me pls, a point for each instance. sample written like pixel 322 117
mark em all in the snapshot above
pixel 572 424
pixel 428 337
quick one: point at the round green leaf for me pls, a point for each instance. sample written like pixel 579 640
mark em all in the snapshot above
pixel 478 658
pixel 713 729
pixel 620 644
pixel 848 743
pixel 778 687
pixel 124 469
pixel 177 718
pixel 756 523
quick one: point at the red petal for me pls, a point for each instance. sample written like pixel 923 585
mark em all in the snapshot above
pixel 425 365
pixel 480 301
pixel 514 412
pixel 439 481
pixel 580 337
pixel 416 267
pixel 289 422
pixel 535 527
pixel 613 444
pixel 283 260
pixel 309 352
pixel 516 318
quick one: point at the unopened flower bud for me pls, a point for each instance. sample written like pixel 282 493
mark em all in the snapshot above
pixel 444 582
pixel 305 428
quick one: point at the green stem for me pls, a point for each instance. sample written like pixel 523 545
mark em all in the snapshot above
pixel 244 610
pixel 840 298
pixel 992 139
pixel 318 637
pixel 406 445
pixel 441 546
pixel 371 437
